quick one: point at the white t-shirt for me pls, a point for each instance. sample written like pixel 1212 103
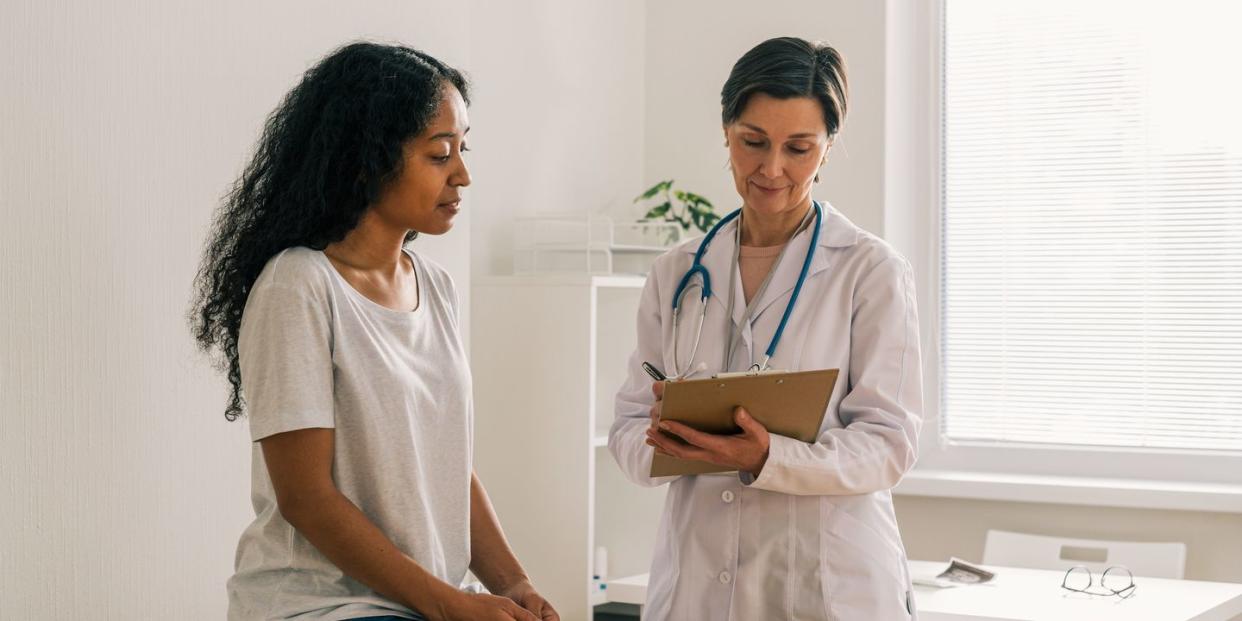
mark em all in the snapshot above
pixel 316 353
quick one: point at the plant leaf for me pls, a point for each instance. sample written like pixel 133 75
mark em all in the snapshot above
pixel 655 189
pixel 657 211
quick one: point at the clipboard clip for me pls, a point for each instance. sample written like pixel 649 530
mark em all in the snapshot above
pixel 753 370
pixel 758 368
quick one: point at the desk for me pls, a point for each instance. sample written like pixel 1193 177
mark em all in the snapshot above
pixel 1036 595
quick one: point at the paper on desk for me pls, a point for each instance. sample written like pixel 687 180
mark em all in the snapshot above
pixel 958 573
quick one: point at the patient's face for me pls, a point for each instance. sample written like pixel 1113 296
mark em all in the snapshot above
pixel 426 196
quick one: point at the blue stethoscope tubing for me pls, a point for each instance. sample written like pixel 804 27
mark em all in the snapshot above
pixel 697 268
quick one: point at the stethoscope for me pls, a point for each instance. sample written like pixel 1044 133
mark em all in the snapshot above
pixel 697 268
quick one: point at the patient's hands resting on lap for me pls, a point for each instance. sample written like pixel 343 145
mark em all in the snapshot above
pixel 485 607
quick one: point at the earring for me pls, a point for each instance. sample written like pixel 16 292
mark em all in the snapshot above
pixel 816 177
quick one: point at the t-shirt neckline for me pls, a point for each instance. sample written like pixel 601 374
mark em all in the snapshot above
pixel 419 278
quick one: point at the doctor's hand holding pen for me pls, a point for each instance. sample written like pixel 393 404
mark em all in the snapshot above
pixel 746 451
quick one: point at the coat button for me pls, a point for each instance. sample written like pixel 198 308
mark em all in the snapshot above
pixel 725 577
pixel 727 496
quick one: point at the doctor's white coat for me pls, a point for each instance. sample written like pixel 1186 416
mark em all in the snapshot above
pixel 814 536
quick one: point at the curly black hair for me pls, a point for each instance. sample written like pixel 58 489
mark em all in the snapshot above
pixel 327 153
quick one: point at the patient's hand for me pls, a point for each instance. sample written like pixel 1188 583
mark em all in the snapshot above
pixel 482 607
pixel 528 598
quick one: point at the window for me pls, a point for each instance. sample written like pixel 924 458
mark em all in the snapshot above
pixel 1091 235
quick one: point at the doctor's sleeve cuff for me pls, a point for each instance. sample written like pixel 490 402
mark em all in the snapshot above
pixel 781 451
pixel 627 443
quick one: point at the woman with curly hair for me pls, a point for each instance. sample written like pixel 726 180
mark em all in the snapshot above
pixel 342 347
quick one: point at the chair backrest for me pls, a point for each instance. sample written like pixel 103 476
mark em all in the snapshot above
pixel 1154 560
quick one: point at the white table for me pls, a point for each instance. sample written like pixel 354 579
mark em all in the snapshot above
pixel 1036 595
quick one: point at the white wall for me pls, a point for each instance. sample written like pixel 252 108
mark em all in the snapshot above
pixel 691 47
pixel 121 125
pixel 557 119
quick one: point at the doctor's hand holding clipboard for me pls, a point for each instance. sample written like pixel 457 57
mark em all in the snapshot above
pixel 800 527
pixel 745 452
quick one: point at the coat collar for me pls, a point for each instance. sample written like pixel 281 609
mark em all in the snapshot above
pixel 837 232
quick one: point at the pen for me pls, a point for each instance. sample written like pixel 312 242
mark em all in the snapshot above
pixel 654 372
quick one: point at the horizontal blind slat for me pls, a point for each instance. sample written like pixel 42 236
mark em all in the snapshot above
pixel 1091 239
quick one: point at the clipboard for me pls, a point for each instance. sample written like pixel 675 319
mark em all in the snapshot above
pixel 790 404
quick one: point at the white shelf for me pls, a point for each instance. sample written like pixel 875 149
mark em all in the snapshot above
pixel 582 326
pixel 597 597
pixel 620 281
pixel 613 281
pixel 595 247
pixel 588 244
pixel 628 590
pixel 634 248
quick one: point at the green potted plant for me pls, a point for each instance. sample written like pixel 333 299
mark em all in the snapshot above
pixel 687 209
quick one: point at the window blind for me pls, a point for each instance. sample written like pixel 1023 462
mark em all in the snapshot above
pixel 1091 266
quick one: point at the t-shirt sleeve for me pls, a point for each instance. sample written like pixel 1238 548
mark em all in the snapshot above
pixel 285 352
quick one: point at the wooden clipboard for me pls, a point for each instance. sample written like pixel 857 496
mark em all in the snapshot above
pixel 790 404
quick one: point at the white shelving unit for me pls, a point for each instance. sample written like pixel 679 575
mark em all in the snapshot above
pixel 567 244
pixel 548 354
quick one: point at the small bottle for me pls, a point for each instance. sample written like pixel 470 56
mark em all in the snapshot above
pixel 601 568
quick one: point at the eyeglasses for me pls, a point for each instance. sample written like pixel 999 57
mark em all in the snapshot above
pixel 1116 580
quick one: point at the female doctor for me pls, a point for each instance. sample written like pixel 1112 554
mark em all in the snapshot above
pixel 801 531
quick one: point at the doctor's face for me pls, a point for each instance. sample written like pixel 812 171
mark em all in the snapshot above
pixel 776 146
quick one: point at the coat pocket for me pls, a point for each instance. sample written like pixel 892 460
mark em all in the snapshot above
pixel 864 571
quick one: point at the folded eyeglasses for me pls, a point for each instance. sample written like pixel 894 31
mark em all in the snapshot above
pixel 1116 580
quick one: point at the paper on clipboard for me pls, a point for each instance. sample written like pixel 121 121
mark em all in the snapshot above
pixel 790 404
